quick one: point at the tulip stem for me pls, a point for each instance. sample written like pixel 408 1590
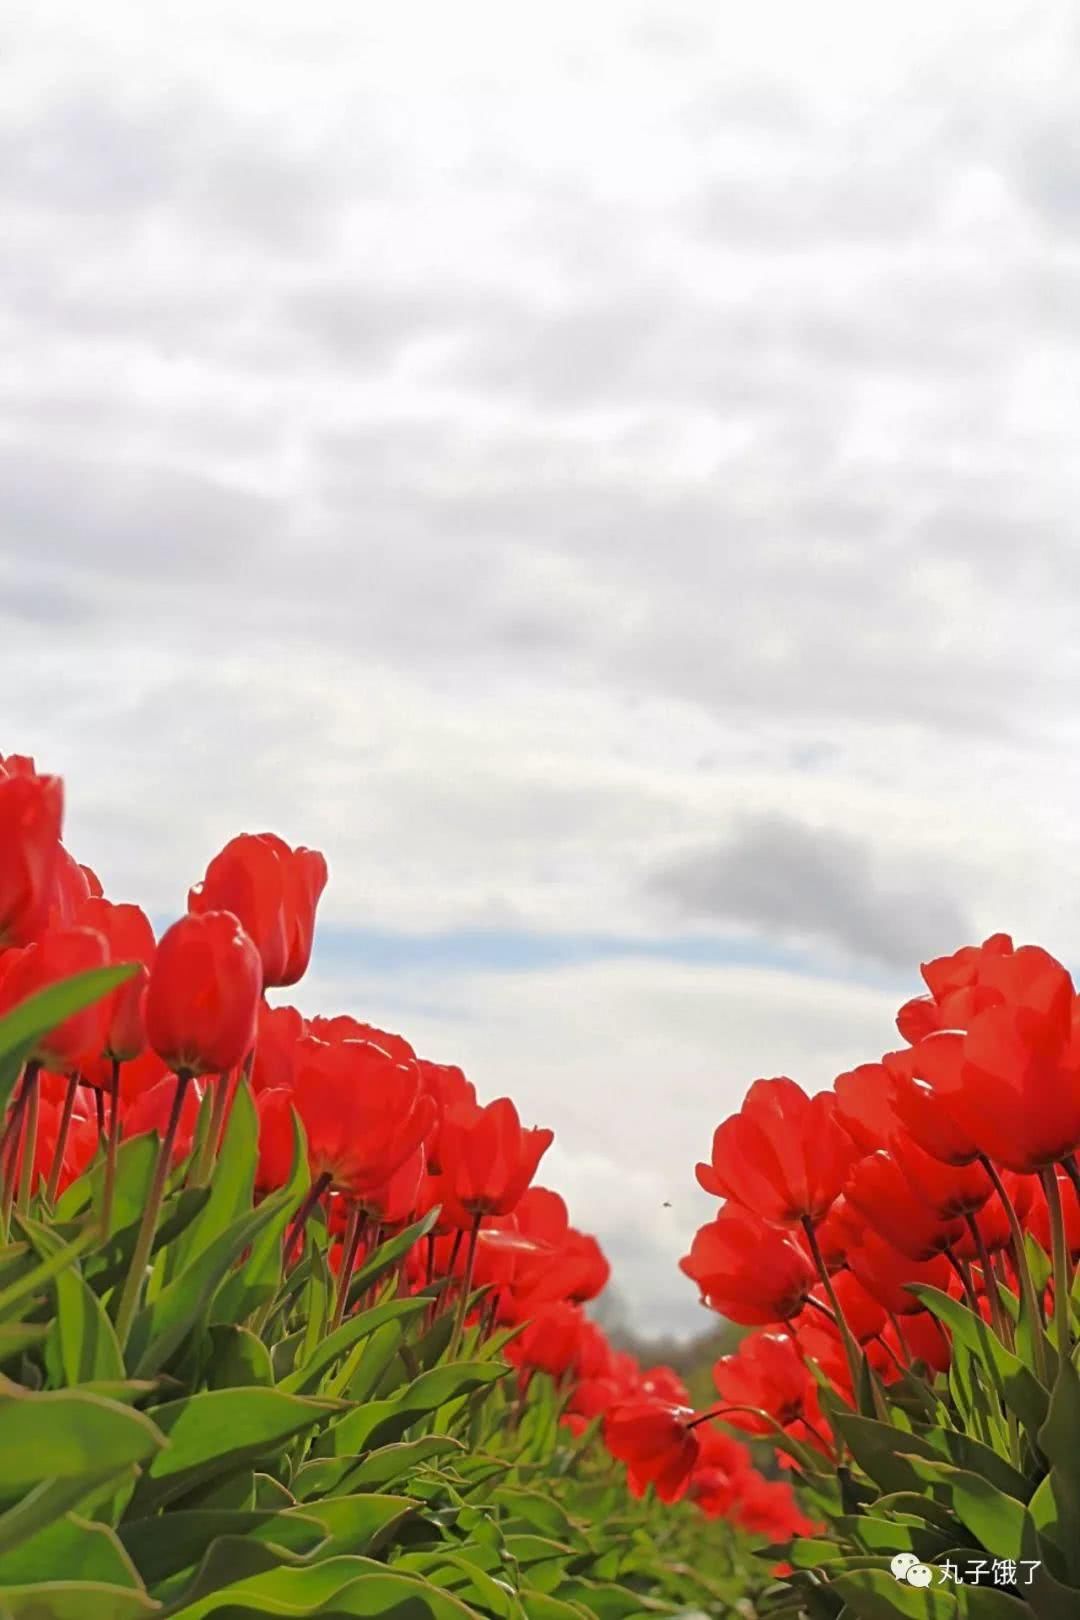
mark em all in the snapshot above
pixel 990 1282
pixel 208 1147
pixel 108 1195
pixel 1072 1170
pixel 851 1348
pixel 350 1245
pixel 1062 1277
pixel 300 1219
pixel 61 1138
pixel 10 1143
pixel 133 1282
pixel 466 1286
pixel 1023 1270
pixel 29 1140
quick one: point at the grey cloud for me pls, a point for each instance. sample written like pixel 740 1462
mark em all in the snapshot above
pixel 780 877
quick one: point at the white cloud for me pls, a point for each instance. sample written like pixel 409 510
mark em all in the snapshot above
pixel 509 449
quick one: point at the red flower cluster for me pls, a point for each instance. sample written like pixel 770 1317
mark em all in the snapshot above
pixel 926 1167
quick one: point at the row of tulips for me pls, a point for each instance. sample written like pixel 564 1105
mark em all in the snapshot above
pixel 394 1142
pixel 903 1249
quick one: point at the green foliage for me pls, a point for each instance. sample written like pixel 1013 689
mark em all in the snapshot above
pixel 977 1473
pixel 236 1455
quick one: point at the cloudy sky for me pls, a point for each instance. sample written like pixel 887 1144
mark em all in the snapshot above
pixel 605 473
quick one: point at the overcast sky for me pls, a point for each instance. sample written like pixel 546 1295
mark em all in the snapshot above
pixel 605 473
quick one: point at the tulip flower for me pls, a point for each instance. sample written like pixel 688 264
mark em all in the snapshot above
pixel 950 1190
pixel 364 1114
pixel 278 1031
pixel 57 954
pixel 203 996
pixel 31 812
pixel 768 1374
pixel 886 1273
pixel 274 891
pixel 656 1443
pixel 864 1105
pixel 883 1195
pixel 130 938
pixel 1013 1080
pixel 552 1341
pixel 784 1156
pixel 747 1271
pixel 489 1159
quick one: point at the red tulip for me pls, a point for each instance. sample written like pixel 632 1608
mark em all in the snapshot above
pixel 488 1160
pixel 31 811
pixel 552 1341
pixel 784 1156
pixel 274 891
pixel 864 1105
pixel 768 1508
pixel 883 1195
pixel 951 1190
pixel 364 1114
pixel 924 1114
pixel 71 890
pixel 279 1029
pixel 885 1272
pixel 992 1219
pixel 342 1027
pixel 130 938
pixel 447 1086
pixel 57 954
pixel 393 1202
pixel 766 1372
pixel 960 987
pixel 203 997
pixel 655 1442
pixel 749 1272
pixel 1013 1081
pixel 842 1226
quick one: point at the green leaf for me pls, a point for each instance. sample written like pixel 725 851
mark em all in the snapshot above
pixel 217 1432
pixel 1055 1506
pixel 48 1501
pixel 378 1354
pixel 996 1519
pixel 15 1337
pixel 256 1282
pixel 382 1421
pixel 164 1545
pixel 237 1358
pixel 232 1183
pixel 68 1434
pixel 882 1451
pixel 1020 1389
pixel 306 1378
pixel 32 1282
pixel 358 1524
pixel 26 1023
pixel 82 1342
pixel 135 1160
pixel 387 1255
pixel 874 1594
pixel 164 1324
pixel 83 1550
pixel 75 1600
pixel 339 1587
pixel 378 1468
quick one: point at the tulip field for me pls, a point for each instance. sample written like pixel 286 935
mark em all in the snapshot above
pixel 290 1323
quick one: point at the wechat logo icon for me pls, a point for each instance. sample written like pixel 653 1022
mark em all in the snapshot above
pixel 906 1567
